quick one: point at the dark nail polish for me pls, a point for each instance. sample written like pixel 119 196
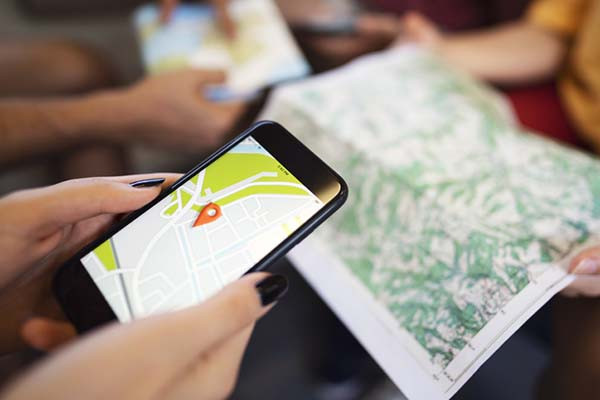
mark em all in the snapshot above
pixel 144 183
pixel 271 289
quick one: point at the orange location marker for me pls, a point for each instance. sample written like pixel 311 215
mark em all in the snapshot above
pixel 210 213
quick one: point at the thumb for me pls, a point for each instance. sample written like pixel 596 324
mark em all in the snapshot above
pixel 419 29
pixel 47 334
pixel 583 285
pixel 210 76
pixel 230 311
pixel 587 262
pixel 226 111
pixel 192 79
pixel 588 266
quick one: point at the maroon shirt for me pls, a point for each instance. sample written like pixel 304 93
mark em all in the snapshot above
pixel 455 15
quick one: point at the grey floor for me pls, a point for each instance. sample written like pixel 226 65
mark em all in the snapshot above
pixel 300 348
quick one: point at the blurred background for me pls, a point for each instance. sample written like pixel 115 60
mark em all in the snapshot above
pixel 300 350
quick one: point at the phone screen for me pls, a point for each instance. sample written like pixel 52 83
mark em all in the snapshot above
pixel 205 234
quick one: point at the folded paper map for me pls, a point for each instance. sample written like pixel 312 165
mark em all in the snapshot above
pixel 459 225
pixel 262 53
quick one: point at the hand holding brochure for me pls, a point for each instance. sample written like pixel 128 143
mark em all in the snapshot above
pixel 262 53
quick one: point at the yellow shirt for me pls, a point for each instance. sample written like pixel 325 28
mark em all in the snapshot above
pixel 579 21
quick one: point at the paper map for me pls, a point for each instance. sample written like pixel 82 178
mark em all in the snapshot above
pixel 262 53
pixel 458 226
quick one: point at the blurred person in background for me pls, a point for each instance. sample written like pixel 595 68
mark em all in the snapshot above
pixel 60 105
pixel 167 110
pixel 375 23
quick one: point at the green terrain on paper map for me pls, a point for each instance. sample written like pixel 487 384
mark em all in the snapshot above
pixel 452 210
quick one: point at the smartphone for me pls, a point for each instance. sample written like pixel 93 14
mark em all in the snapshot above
pixel 236 212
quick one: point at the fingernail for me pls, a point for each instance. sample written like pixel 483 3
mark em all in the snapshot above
pixel 144 183
pixel 271 289
pixel 587 267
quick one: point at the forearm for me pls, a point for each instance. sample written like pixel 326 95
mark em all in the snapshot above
pixel 31 127
pixel 510 54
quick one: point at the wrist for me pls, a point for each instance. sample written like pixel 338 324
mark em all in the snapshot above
pixel 100 116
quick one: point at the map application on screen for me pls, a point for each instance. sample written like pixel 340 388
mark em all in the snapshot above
pixel 205 234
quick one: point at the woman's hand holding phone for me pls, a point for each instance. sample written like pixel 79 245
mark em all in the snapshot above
pixel 41 228
pixel 192 353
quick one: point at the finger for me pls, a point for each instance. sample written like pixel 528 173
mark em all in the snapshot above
pixel 224 17
pixel 227 112
pixel 47 334
pixel 583 285
pixel 587 262
pixel 170 178
pixel 213 374
pixel 166 10
pixel 210 76
pixel 76 200
pixel 194 79
pixel 417 28
pixel 414 20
